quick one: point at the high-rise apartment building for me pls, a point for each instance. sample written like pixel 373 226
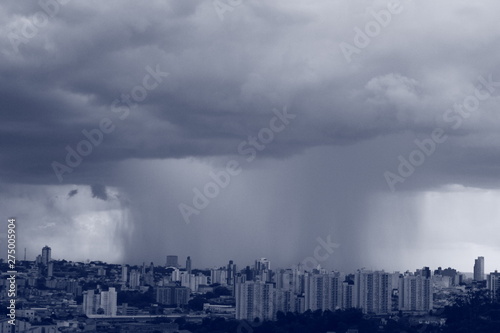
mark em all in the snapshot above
pixel 134 279
pixel 108 301
pixel 230 273
pixel 493 284
pixel 415 293
pixel 124 278
pixel 323 291
pixel 262 264
pixel 103 302
pixel 193 281
pixel 175 275
pixel 188 265
pixel 255 299
pixel 373 292
pixel 284 279
pixel 426 272
pixel 90 299
pixel 479 269
pixel 348 295
pixel 285 301
pixel 46 255
pixel 50 269
pixel 219 276
pixel 173 295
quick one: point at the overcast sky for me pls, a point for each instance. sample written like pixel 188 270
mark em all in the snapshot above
pixel 372 124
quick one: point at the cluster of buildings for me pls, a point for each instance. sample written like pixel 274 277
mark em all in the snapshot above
pixel 102 302
pixel 68 289
pixel 294 290
pixel 262 293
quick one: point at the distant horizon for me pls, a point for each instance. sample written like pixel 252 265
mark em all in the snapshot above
pixel 273 267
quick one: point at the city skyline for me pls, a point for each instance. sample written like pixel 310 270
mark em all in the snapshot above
pixel 172 261
pixel 261 291
pixel 252 130
pixel 88 295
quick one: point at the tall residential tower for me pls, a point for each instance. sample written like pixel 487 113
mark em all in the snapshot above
pixel 479 269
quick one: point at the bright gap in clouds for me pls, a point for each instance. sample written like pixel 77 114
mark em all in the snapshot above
pixel 95 236
pixel 447 227
pixel 70 219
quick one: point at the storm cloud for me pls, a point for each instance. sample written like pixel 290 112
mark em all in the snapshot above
pixel 149 99
pixel 99 191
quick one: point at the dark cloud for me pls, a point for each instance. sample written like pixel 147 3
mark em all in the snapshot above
pixel 99 191
pixel 72 193
pixel 224 80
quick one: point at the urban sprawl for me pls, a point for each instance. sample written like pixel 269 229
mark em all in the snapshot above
pixel 64 296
